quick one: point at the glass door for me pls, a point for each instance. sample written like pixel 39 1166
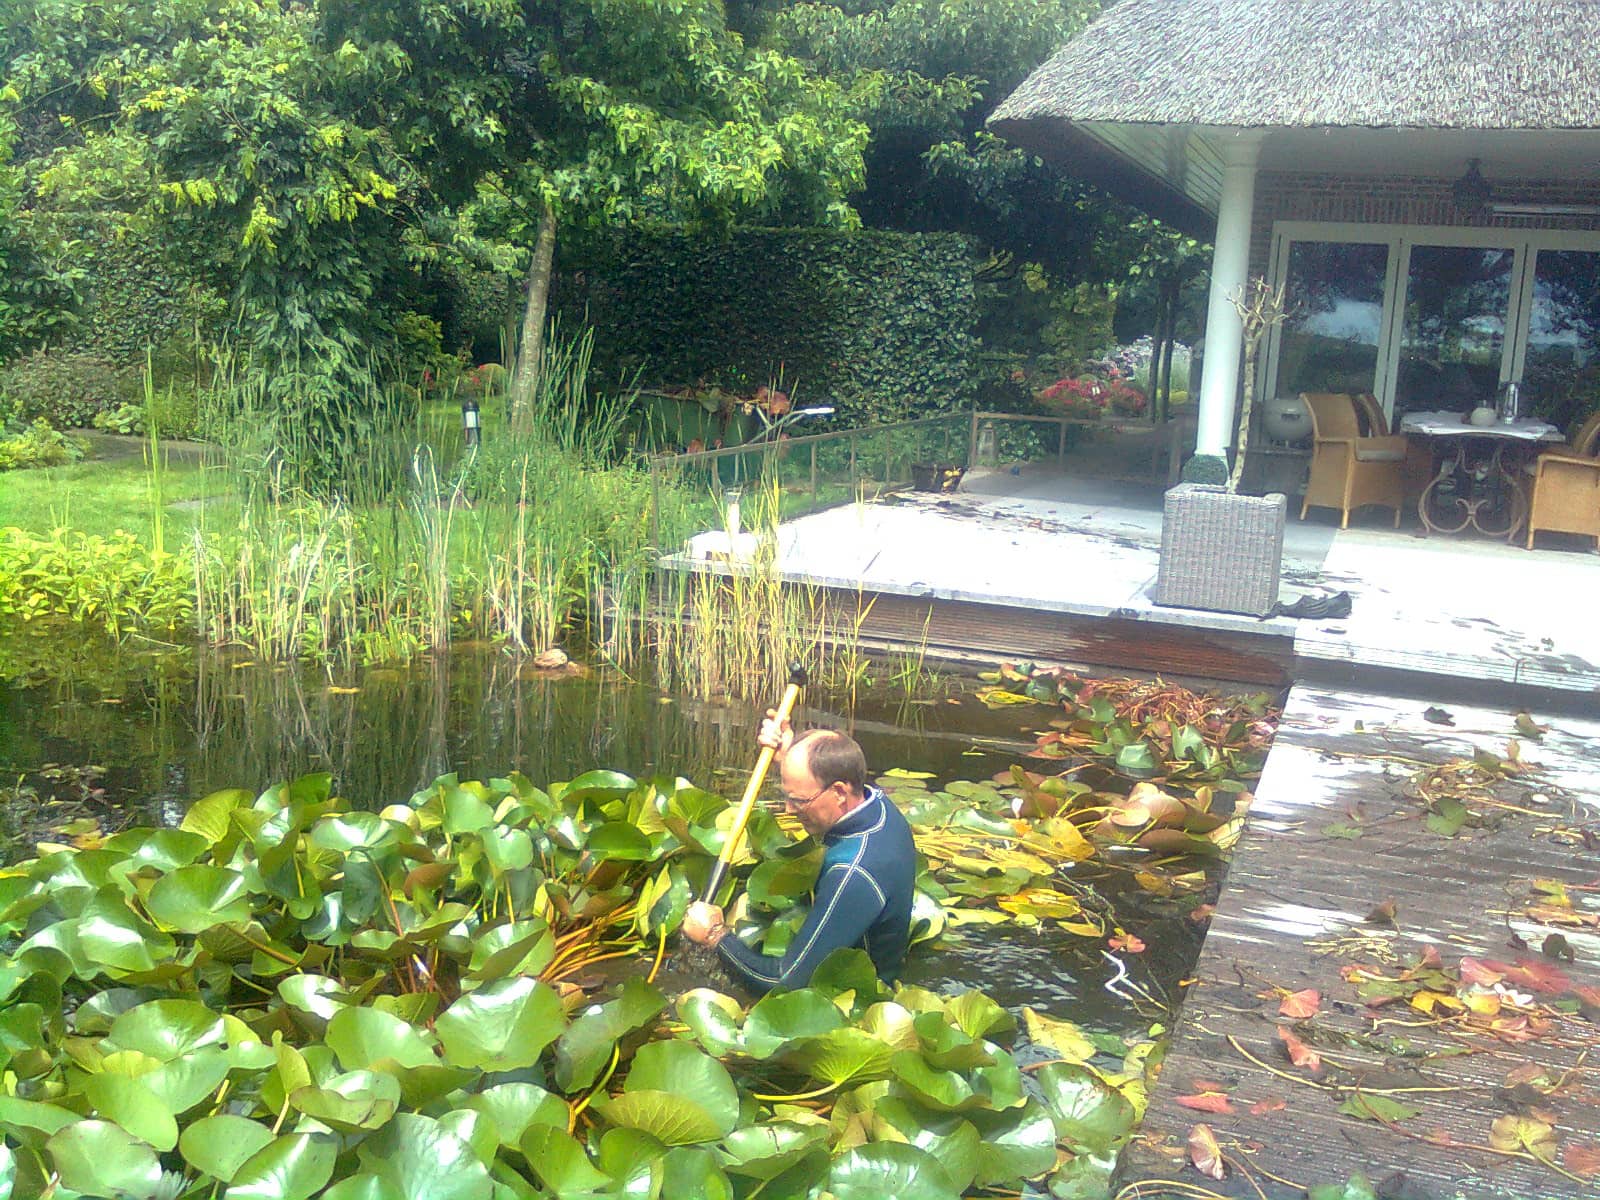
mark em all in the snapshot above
pixel 1452 339
pixel 1561 359
pixel 1334 295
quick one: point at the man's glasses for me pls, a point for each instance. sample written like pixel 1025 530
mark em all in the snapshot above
pixel 809 800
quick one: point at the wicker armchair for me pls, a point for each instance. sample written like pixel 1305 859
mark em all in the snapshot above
pixel 1418 470
pixel 1566 487
pixel 1349 471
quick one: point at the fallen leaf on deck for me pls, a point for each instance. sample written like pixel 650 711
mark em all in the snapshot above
pixel 1480 973
pixel 1535 974
pixel 1382 913
pixel 1127 942
pixel 1523 1133
pixel 1582 1158
pixel 1437 715
pixel 1211 1102
pixel 1205 1154
pixel 1556 946
pixel 1300 1054
pixel 1301 1004
pixel 1262 1107
pixel 1377 1108
pixel 1530 728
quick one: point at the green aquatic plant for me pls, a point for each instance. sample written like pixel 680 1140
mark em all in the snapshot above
pixel 283 997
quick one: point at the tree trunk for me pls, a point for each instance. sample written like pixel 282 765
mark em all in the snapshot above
pixel 1170 339
pixel 1155 357
pixel 530 347
pixel 1246 405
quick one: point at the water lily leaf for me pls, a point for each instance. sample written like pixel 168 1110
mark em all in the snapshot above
pixel 1084 1177
pixel 586 1045
pixel 979 1016
pixel 98 1158
pixel 132 1105
pixel 364 1037
pixel 847 970
pixel 502 1026
pixel 349 831
pixel 1378 1108
pixel 425 1161
pixel 113 939
pixel 220 1145
pixel 163 849
pixel 1088 1114
pixel 165 1029
pixel 507 849
pixel 691 1171
pixel 211 816
pixel 839 1055
pixel 32 1121
pixel 1019 1143
pixel 713 1018
pixel 619 840
pixel 597 785
pixel 681 1068
pixel 193 899
pixel 890 1169
pixel 951 1139
pixel 560 1161
pixel 1064 1037
pixel 777 1019
pixel 634 1160
pixel 765 1151
pixel 293 1167
pixel 667 1116
pixel 779 882
pixel 465 811
pixel 517 1107
pixel 421 1086
pixel 947 1047
pixel 363 1187
pixel 352 1101
pixel 946 1091
pixel 520 948
pixel 314 998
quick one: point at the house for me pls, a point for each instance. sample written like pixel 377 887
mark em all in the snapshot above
pixel 1423 176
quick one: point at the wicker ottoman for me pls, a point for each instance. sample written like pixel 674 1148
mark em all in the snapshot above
pixel 1220 551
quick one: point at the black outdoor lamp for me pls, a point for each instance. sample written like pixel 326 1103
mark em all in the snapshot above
pixel 1471 192
pixel 469 421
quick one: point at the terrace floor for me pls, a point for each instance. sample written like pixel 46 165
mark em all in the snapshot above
pixel 1438 613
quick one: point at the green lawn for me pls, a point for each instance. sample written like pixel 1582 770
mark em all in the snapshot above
pixel 101 496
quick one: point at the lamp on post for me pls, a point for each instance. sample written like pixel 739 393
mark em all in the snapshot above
pixel 469 421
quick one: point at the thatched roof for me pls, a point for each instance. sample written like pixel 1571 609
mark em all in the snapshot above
pixel 1433 64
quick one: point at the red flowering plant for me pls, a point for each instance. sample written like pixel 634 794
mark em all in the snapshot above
pixel 1087 397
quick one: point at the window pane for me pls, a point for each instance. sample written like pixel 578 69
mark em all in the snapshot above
pixel 1335 300
pixel 1561 371
pixel 1455 328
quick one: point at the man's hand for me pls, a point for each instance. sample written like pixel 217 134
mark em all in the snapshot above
pixel 776 735
pixel 703 924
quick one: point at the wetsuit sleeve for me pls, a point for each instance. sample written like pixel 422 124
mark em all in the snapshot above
pixel 848 901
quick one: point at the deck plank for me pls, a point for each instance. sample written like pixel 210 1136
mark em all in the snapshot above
pixel 1296 888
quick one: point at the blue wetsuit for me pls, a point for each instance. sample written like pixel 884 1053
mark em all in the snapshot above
pixel 863 899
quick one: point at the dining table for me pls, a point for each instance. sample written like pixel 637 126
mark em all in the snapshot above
pixel 1479 479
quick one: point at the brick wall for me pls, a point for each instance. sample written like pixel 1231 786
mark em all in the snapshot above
pixel 1306 196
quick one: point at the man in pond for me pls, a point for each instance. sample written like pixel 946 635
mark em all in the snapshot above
pixel 863 892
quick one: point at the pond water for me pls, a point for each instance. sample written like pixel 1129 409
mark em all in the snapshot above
pixel 108 731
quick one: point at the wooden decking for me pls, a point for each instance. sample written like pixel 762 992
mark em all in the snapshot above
pixel 1339 838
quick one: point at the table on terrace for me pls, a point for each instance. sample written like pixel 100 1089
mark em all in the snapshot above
pixel 1479 477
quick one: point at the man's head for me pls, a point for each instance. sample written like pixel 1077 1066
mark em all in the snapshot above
pixel 824 777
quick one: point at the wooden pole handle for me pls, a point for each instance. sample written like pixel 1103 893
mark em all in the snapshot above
pixel 747 804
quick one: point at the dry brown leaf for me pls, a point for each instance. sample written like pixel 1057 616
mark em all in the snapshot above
pixel 1301 1005
pixel 1271 1105
pixel 1382 913
pixel 1300 1054
pixel 1205 1154
pixel 1211 1102
pixel 1582 1158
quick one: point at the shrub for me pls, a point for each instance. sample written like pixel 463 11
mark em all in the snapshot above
pixel 125 418
pixel 65 389
pixel 39 446
pixel 114 582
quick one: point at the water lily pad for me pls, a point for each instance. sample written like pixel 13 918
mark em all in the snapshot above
pixel 211 816
pixel 560 1162
pixel 779 882
pixel 425 1161
pixel 517 1107
pixel 680 1068
pixel 634 1160
pixel 349 1102
pixel 781 1017
pixel 502 1026
pixel 890 1169
pixel 349 831
pixel 1088 1114
pixel 1084 1177
pixel 220 1145
pixel 586 1045
pixel 952 1140
pixel 691 1171
pixel 363 1187
pixel 619 840
pixel 847 970
pixel 133 1106
pixel 165 1029
pixel 518 948
pixel 980 1017
pixel 119 943
pixel 193 899
pixel 767 1150
pixel 1018 1143
pixel 32 1121
pixel 363 1037
pixel 293 1167
pixel 98 1158
pixel 667 1116
pixel 840 1055
pixel 713 1018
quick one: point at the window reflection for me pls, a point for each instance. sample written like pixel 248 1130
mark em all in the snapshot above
pixel 1561 369
pixel 1335 301
pixel 1455 328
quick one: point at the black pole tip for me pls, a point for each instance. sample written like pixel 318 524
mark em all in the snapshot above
pixel 797 675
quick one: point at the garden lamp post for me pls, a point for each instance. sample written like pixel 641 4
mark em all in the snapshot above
pixel 469 421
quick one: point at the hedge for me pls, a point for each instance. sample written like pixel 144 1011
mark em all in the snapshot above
pixel 878 324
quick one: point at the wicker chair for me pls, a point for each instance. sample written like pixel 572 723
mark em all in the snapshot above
pixel 1566 487
pixel 1418 470
pixel 1349 471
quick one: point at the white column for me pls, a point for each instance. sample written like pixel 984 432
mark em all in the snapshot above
pixel 1230 266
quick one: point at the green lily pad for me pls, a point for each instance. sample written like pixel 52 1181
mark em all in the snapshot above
pixel 119 943
pixel 885 1169
pixel 619 840
pixel 193 899
pixel 560 1162
pixel 98 1158
pixel 363 1037
pixel 713 1018
pixel 363 1187
pixel 847 970
pixel 1085 1177
pixel 634 1160
pixel 165 1029
pixel 691 1171
pixel 586 1045
pixel 129 1103
pixel 349 831
pixel 352 1101
pixel 220 1145
pixel 980 1017
pixel 503 1026
pixel 779 1018
pixel 676 1094
pixel 520 948
pixel 666 1116
pixel 517 1107
pixel 425 1161
pixel 185 1082
pixel 839 1055
pixel 211 816
pixel 765 1151
pixel 295 1166
pixel 779 882
pixel 951 1139
pixel 1018 1143
pixel 1088 1114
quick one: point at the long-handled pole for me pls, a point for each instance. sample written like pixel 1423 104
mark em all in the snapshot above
pixel 797 680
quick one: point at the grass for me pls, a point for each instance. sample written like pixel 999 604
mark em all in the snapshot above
pixel 101 497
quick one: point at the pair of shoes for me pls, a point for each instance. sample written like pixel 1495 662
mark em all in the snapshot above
pixel 1314 608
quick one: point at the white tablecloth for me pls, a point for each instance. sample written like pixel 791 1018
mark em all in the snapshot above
pixel 1450 424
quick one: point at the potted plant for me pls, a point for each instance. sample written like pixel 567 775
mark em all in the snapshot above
pixel 1222 551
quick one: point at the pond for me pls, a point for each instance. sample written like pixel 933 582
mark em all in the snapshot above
pixel 133 734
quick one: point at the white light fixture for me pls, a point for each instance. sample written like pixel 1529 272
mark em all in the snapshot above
pixel 1512 209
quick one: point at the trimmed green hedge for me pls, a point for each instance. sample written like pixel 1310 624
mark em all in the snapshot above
pixel 878 324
